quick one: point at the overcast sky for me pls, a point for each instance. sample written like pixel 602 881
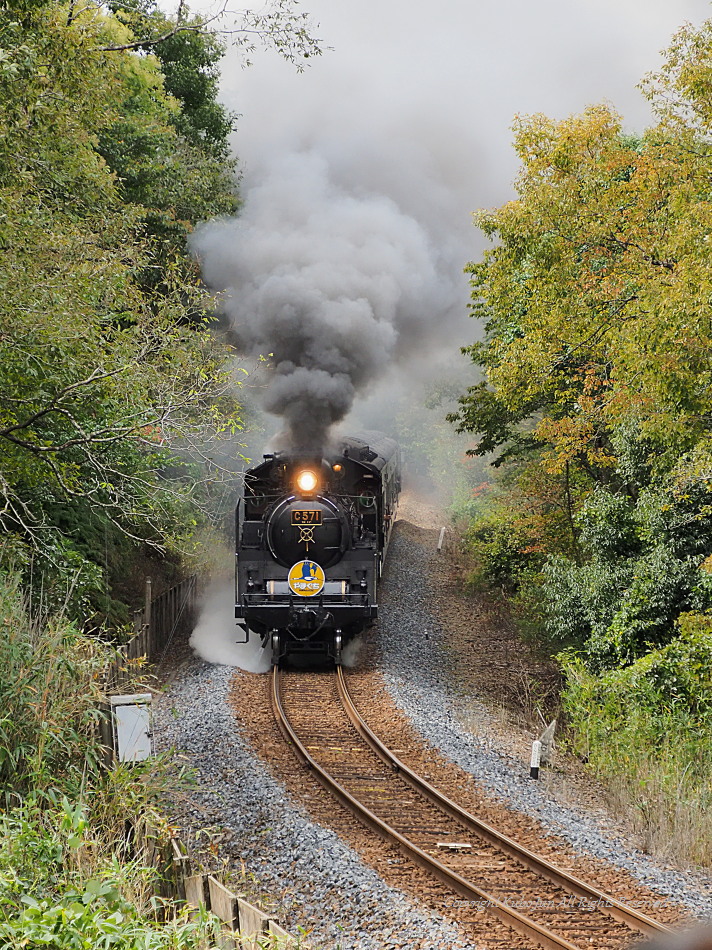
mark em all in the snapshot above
pixel 450 77
pixel 408 84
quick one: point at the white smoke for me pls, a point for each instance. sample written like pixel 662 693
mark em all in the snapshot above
pixel 352 651
pixel 215 636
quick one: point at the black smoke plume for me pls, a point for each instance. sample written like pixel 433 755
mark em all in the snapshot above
pixel 333 283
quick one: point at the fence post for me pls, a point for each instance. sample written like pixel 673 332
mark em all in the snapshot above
pixel 147 620
pixel 253 924
pixel 181 868
pixel 106 734
pixel 196 891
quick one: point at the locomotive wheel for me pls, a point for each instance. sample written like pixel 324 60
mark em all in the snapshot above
pixel 337 649
pixel 276 648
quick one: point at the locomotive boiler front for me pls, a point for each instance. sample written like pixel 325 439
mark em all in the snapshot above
pixel 307 527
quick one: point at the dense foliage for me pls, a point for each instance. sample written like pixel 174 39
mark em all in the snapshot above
pixel 113 391
pixel 70 874
pixel 595 397
pixel 107 376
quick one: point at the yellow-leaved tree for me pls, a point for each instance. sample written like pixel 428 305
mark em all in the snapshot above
pixel 596 394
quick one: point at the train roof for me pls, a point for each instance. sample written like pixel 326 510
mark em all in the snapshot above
pixel 368 447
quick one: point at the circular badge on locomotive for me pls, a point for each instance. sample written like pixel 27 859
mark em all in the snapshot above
pixel 306 578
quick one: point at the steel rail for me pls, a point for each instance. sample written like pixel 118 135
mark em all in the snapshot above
pixel 508 915
pixel 602 901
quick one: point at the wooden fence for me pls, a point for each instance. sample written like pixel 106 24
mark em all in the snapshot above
pixel 244 926
pixel 159 625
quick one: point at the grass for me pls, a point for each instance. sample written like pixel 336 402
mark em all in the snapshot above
pixel 71 876
pixel 652 749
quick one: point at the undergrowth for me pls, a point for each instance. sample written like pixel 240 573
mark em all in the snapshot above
pixel 632 632
pixel 71 874
pixel 647 730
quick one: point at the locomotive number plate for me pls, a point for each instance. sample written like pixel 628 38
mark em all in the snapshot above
pixel 306 516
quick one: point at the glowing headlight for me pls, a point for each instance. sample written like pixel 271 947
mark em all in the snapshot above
pixel 306 481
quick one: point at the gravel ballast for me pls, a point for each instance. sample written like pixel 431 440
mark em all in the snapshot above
pixel 321 885
pixel 419 670
pixel 317 882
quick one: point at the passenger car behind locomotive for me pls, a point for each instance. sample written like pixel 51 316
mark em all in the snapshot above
pixel 311 538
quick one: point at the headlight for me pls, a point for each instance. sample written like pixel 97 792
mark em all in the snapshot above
pixel 306 481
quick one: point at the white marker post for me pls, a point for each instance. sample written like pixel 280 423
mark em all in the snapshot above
pixel 536 759
pixel 442 538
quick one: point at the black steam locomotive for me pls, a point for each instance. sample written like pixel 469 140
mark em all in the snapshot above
pixel 311 537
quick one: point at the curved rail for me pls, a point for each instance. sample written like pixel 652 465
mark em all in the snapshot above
pixel 609 905
pixel 511 917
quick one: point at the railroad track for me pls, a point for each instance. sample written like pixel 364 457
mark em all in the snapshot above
pixel 484 872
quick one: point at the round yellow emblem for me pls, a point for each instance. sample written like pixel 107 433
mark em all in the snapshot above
pixel 306 578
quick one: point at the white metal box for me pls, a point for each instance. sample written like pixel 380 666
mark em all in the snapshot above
pixel 131 718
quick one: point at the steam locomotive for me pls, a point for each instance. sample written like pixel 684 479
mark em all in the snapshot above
pixel 311 538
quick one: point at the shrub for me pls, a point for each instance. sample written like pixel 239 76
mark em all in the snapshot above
pixel 647 729
pixel 661 588
pixel 59 888
pixel 608 526
pixel 499 549
pixel 49 695
pixel 70 878
pixel 580 599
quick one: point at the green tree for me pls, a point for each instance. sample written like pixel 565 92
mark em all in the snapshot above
pixel 112 146
pixel 595 374
pixel 596 354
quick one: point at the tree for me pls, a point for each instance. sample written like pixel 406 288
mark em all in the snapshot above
pixel 596 396
pixel 277 26
pixel 596 356
pixel 102 380
pixel 112 146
